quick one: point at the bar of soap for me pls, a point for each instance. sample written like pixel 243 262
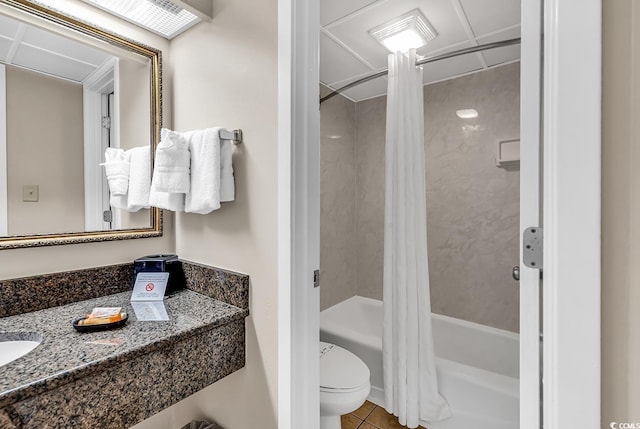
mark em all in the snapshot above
pixel 102 320
pixel 89 324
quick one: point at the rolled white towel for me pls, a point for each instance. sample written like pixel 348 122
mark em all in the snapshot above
pixel 139 178
pixel 117 167
pixel 119 202
pixel 172 164
pixel 204 146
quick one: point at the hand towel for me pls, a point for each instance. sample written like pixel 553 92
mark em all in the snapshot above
pixel 204 147
pixel 171 166
pixel 227 186
pixel 166 200
pixel 139 178
pixel 116 167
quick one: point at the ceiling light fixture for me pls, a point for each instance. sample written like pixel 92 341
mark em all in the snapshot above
pixel 162 17
pixel 411 30
pixel 467 113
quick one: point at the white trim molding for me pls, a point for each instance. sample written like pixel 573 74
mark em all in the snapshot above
pixel 572 178
pixel 4 190
pixel 104 80
pixel 530 213
pixel 298 214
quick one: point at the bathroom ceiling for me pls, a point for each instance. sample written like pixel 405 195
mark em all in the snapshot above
pixel 29 47
pixel 348 52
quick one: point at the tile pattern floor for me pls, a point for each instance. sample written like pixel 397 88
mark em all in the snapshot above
pixel 371 416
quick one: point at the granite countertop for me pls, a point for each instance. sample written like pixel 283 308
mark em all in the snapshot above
pixel 66 355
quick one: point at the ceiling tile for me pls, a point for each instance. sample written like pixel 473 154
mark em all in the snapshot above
pixel 331 10
pixel 354 32
pixel 63 46
pixel 336 63
pixel 5 46
pixel 449 68
pixel 487 16
pixel 36 59
pixel 367 90
pixel 501 55
pixel 8 26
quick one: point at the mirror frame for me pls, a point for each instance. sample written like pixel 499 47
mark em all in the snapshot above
pixel 155 57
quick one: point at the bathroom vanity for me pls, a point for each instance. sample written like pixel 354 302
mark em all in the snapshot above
pixel 117 378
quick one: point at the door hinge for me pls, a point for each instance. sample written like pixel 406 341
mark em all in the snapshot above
pixel 106 122
pixel 107 216
pixel 316 278
pixel 532 240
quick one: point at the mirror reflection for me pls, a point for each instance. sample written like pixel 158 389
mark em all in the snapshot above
pixel 65 98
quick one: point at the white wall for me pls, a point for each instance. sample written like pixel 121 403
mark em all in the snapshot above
pixel 225 73
pixel 27 262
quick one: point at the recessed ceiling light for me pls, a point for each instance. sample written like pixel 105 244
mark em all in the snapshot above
pixel 467 113
pixel 411 30
pixel 162 17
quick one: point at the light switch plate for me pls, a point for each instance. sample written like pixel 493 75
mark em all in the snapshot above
pixel 30 193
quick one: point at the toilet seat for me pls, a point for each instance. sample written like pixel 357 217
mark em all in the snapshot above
pixel 340 370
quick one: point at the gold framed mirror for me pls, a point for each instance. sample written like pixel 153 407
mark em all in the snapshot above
pixel 69 90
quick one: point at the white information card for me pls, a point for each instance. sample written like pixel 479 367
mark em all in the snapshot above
pixel 149 310
pixel 150 287
pixel 147 296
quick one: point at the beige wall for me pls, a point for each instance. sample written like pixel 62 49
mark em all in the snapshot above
pixel 44 148
pixel 25 262
pixel 620 212
pixel 337 201
pixel 225 73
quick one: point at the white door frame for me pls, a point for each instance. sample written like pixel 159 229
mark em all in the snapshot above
pixel 4 191
pixel 530 213
pixel 571 211
pixel 571 216
pixel 298 214
pixel 103 80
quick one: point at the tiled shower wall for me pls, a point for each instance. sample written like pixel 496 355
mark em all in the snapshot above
pixel 337 201
pixel 472 206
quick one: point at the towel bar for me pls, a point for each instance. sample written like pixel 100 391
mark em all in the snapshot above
pixel 234 135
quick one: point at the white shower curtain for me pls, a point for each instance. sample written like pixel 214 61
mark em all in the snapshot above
pixel 410 381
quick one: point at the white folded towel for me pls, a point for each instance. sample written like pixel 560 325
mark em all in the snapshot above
pixel 116 167
pixel 204 146
pixel 167 201
pixel 139 178
pixel 227 186
pixel 171 166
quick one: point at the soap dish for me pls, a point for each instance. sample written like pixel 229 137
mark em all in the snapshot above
pixel 102 327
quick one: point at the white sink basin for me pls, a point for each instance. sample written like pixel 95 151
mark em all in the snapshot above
pixel 14 345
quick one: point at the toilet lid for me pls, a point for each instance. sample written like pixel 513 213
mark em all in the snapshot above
pixel 341 369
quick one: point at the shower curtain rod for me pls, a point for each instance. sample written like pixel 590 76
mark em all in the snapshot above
pixel 425 61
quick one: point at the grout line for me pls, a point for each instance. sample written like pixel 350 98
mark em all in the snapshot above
pixel 344 46
pixel 464 20
pixel 370 412
pixel 354 14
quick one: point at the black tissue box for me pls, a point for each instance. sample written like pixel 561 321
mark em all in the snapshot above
pixel 162 264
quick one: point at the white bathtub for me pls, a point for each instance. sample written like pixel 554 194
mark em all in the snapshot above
pixel 477 365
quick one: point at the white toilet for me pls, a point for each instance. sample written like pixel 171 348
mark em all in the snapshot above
pixel 344 384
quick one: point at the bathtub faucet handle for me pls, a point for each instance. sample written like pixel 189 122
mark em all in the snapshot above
pixel 515 272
